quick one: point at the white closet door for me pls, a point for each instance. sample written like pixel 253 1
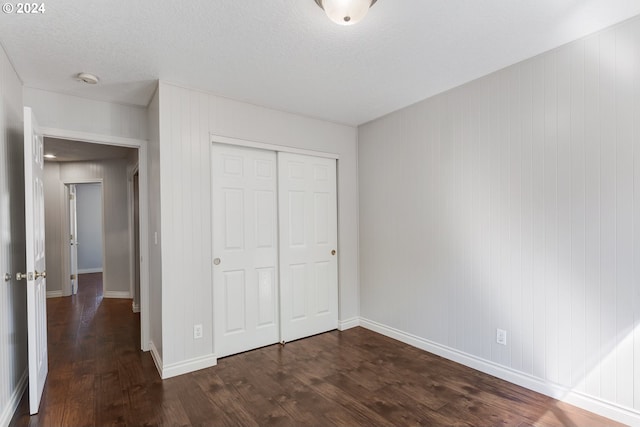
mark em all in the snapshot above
pixel 308 244
pixel 245 249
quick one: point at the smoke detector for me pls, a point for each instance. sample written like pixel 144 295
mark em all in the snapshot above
pixel 87 78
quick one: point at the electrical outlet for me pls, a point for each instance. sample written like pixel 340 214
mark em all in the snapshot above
pixel 197 332
pixel 501 336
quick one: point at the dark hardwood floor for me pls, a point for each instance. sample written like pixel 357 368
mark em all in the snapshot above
pixel 97 376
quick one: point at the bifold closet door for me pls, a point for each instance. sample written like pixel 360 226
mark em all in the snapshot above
pixel 308 243
pixel 245 248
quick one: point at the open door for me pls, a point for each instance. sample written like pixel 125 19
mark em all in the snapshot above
pixel 35 275
pixel 73 239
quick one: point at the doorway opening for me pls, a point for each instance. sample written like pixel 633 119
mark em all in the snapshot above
pixel 93 196
pixel 84 217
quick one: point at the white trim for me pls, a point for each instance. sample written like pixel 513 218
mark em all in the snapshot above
pixel 143 215
pixel 135 307
pixel 219 139
pixel 155 355
pixel 90 270
pixel 142 146
pixel 130 174
pixel 92 137
pixel 589 403
pixel 343 325
pixel 117 294
pixel 186 366
pixel 83 181
pixel 179 368
pixel 16 396
pixel 54 294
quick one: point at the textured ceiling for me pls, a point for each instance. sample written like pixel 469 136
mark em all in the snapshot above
pixel 286 54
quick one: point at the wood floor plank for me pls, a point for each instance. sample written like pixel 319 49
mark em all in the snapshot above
pixel 110 399
pixel 79 409
pixel 98 376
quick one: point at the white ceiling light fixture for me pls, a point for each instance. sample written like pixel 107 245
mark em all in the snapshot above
pixel 346 12
pixel 87 78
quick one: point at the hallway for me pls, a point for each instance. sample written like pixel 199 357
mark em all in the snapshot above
pixel 94 362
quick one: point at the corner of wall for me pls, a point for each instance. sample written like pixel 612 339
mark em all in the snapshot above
pixel 154 240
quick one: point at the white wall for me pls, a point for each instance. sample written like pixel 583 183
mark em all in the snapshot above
pixel 117 263
pixel 13 331
pixel 187 119
pixel 68 112
pixel 514 202
pixel 89 219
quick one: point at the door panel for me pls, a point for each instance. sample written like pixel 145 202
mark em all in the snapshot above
pixel 236 302
pixel 246 300
pixel 308 240
pixel 36 266
pixel 268 296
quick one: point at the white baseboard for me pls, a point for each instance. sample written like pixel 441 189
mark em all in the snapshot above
pixel 117 294
pixel 157 359
pixel 180 368
pixel 343 325
pixel 12 405
pixel 186 366
pixel 135 307
pixel 90 270
pixel 589 403
pixel 54 294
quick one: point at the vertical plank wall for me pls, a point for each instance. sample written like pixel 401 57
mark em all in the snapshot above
pixel 13 329
pixel 513 202
pixel 187 120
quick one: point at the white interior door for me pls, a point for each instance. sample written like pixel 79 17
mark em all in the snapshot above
pixel 308 244
pixel 36 282
pixel 73 240
pixel 245 248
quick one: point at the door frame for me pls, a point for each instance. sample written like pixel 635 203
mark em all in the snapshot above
pixel 219 139
pixel 131 173
pixel 142 146
pixel 66 288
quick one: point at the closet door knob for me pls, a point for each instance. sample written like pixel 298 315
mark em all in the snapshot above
pixel 333 252
pixel 216 261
